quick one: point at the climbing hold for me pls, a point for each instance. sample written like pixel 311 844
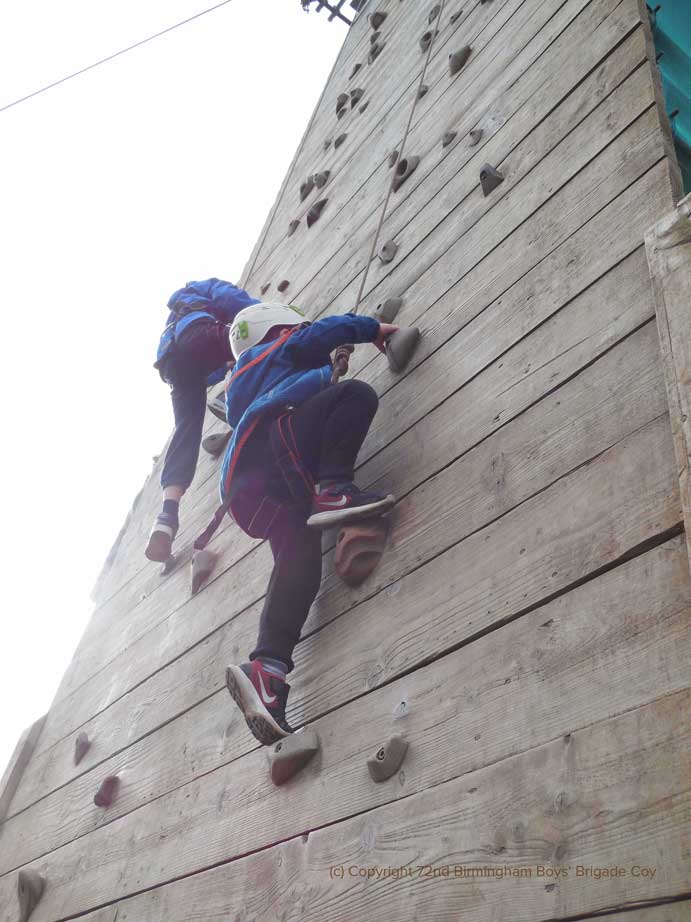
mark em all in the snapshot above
pixel 490 178
pixel 315 211
pixel 387 254
pixel 354 71
pixel 105 795
pixel 292 227
pixel 321 179
pixel 306 188
pixel 423 91
pixel 456 16
pixel 427 38
pixel 30 887
pixel 289 755
pixel 327 144
pixel 339 140
pixel 388 759
pixel 375 51
pixel 376 19
pixel 355 96
pixel 203 563
pixel 359 548
pixel 81 746
pixel 400 347
pixel 458 59
pixel 263 290
pixel 363 106
pixel 374 37
pixel 215 443
pixel 475 136
pixel 404 168
pixel 284 285
pixel 433 14
pixel 449 138
pixel 386 312
pixel 341 104
pixel 393 157
pixel 168 566
pixel 217 406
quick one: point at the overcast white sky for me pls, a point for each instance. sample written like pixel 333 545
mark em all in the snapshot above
pixel 116 188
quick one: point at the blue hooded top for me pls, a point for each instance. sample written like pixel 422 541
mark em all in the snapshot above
pixel 285 372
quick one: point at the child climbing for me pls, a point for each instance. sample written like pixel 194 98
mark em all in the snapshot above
pixel 288 472
pixel 194 353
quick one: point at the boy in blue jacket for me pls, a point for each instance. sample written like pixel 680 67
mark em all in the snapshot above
pixel 288 472
pixel 194 353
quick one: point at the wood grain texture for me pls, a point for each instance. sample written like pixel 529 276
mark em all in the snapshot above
pixel 15 768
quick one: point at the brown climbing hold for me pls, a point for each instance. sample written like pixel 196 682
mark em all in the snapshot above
pixel 215 443
pixel 449 138
pixel 355 96
pixel 404 168
pixel 321 179
pixel 376 19
pixel 341 104
pixel 354 71
pixel 315 211
pixel 105 795
pixel 400 347
pixel 387 759
pixel 386 312
pixel 263 290
pixel 459 59
pixel 203 563
pixel 490 178
pixel 81 746
pixel 293 226
pixel 375 51
pixel 475 136
pixel 306 188
pixel 423 91
pixel 427 38
pixel 393 157
pixel 387 253
pixel 339 140
pixel 434 14
pixel 359 548
pixel 30 887
pixel 290 755
pixel 284 285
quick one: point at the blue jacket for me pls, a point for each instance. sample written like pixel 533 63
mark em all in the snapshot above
pixel 213 299
pixel 285 372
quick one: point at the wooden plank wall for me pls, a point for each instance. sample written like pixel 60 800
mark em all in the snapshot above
pixel 527 628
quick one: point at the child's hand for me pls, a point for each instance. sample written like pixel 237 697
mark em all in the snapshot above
pixel 385 330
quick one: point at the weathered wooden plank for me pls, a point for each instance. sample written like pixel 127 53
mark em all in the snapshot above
pixel 631 774
pixel 17 764
pixel 668 245
pixel 618 395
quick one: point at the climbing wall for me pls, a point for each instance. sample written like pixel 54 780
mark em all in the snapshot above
pixel 526 630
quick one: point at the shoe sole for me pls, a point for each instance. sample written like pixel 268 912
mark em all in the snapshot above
pixel 352 514
pixel 159 547
pixel 257 717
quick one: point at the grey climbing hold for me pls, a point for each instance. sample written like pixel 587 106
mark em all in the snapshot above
pixel 363 107
pixel 426 39
pixel 339 140
pixel 285 284
pixel 263 290
pixel 490 178
pixel 327 144
pixel 475 136
pixel 341 104
pixel 449 138
pixel 355 96
pixel 30 887
pixel 105 795
pixel 290 755
pixel 456 16
pixel 434 14
pixel 386 312
pixel 404 168
pixel 217 406
pixel 306 188
pixel 374 37
pixel 375 51
pixel 321 179
pixel 168 566
pixel 81 746
pixel 388 759
pixel 393 157
pixel 215 443
pixel 387 254
pixel 315 211
pixel 293 226
pixel 355 70
pixel 423 91
pixel 400 347
pixel 376 19
pixel 203 563
pixel 458 59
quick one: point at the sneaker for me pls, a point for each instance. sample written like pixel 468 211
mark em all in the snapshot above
pixel 262 698
pixel 345 503
pixel 161 538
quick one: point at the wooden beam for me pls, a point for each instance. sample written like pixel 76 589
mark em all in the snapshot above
pixel 17 764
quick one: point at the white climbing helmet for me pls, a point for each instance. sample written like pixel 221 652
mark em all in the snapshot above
pixel 253 323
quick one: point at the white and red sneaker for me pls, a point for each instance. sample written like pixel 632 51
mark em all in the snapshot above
pixel 261 696
pixel 345 502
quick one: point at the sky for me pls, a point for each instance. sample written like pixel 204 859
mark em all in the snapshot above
pixel 116 188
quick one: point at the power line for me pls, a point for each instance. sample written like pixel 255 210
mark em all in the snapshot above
pixel 115 55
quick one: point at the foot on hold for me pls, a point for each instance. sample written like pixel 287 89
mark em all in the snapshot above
pixel 215 443
pixel 203 563
pixel 388 759
pixel 345 502
pixel 290 755
pixel 261 696
pixel 359 548
pixel 400 347
pixel 30 887
pixel 161 538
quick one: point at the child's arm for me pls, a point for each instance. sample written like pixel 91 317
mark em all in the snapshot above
pixel 316 342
